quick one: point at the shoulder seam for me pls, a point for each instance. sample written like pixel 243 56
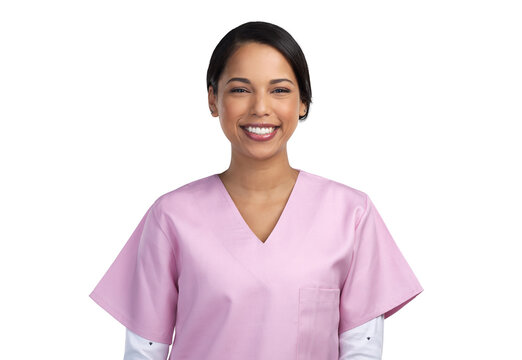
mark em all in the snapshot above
pixel 365 210
pixel 356 245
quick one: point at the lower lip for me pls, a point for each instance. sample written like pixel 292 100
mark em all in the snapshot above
pixel 264 137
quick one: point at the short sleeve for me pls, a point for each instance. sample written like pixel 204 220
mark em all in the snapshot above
pixel 379 280
pixel 140 287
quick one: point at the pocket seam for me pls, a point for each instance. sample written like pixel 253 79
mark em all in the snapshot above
pixel 317 294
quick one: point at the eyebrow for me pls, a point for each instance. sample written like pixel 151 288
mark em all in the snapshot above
pixel 246 81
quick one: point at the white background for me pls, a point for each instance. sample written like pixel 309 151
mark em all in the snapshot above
pixel 103 108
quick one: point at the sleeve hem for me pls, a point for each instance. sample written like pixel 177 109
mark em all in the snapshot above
pixel 126 322
pixel 388 310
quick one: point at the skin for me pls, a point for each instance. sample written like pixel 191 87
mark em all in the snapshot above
pixel 259 178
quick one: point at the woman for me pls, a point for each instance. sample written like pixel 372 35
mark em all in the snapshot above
pixel 262 261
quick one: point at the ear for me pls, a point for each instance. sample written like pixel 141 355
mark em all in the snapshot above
pixel 303 109
pixel 212 102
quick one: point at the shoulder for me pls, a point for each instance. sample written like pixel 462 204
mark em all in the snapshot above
pixel 185 194
pixel 335 190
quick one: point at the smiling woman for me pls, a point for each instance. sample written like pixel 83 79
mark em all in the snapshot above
pixel 257 100
pixel 263 260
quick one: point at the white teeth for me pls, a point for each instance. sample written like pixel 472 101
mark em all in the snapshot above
pixel 260 131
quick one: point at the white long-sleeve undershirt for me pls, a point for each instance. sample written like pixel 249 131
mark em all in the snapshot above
pixel 363 342
pixel 138 348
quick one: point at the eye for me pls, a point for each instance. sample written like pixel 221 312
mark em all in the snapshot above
pixel 237 90
pixel 283 90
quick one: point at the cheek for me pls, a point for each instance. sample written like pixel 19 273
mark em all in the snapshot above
pixel 287 110
pixel 233 106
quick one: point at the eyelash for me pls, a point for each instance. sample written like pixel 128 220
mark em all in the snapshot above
pixel 283 90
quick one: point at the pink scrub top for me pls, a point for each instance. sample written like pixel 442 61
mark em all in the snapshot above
pixel 193 264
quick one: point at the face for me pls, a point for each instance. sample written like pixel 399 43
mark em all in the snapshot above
pixel 250 91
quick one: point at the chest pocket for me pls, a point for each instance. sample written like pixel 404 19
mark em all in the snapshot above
pixel 318 324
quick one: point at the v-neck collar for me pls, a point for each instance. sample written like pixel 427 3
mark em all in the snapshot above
pixel 244 224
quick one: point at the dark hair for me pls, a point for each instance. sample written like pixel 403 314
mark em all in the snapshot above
pixel 263 33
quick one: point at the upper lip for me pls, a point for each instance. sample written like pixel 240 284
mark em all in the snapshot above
pixel 259 125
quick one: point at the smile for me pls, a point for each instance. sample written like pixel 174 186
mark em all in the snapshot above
pixel 260 130
pixel 260 133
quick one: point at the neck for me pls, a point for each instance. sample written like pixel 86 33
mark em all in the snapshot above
pixel 249 176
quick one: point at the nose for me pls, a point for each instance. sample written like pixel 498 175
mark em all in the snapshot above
pixel 261 106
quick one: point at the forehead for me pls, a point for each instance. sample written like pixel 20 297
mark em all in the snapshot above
pixel 257 62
